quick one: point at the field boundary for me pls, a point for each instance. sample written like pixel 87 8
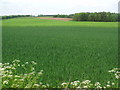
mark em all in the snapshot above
pixel 51 18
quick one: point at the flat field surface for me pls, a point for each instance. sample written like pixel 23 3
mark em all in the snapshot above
pixel 51 18
pixel 65 50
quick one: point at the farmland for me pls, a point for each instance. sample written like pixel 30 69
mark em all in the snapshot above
pixel 64 50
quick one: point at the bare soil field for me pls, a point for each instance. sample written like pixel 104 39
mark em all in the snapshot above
pixel 63 19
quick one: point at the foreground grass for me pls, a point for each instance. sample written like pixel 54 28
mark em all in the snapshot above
pixel 12 78
pixel 66 51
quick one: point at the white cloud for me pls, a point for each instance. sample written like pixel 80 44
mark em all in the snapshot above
pixel 56 6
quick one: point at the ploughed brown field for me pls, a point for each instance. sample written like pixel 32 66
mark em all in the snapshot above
pixel 51 18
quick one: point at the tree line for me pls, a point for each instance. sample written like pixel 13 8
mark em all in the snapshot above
pixel 63 16
pixel 57 16
pixel 14 16
pixel 87 16
pixel 99 17
pixel 96 16
pixel 41 15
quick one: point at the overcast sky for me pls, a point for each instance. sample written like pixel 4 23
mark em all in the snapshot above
pixel 35 7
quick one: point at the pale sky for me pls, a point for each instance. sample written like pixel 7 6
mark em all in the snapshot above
pixel 35 7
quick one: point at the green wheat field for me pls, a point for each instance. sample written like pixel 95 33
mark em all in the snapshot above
pixel 64 50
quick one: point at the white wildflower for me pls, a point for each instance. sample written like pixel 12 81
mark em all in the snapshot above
pixel 4 75
pixel 97 84
pixel 32 73
pixel 5 82
pixel 15 86
pixel 36 85
pixel 1 64
pixel 47 85
pixel 25 74
pixel 117 77
pixel 44 86
pixel 17 76
pixel 9 76
pixel 40 73
pixel 18 64
pixel 63 84
pixel 32 69
pixel 113 83
pixel 78 87
pixel 2 69
pixel 15 80
pixel 33 62
pixel 40 83
pixel 16 61
pixel 13 68
pixel 76 81
pixel 8 67
pixel 26 63
pixel 85 86
pixel 21 79
pixel 104 87
pixel 23 65
pixel 108 82
pixel 108 85
pixel 98 87
pixel 86 82
pixel 72 83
